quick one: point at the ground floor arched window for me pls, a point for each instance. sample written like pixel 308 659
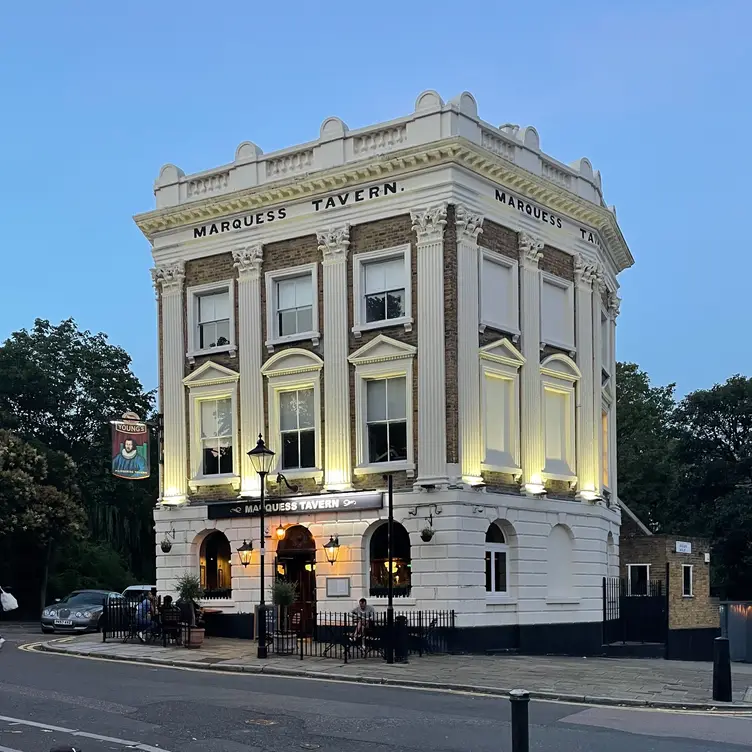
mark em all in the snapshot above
pixel 379 561
pixel 215 566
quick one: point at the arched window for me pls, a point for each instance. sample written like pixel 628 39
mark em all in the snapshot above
pixel 215 567
pixel 497 561
pixel 560 578
pixel 401 562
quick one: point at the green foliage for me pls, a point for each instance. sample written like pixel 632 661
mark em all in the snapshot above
pixel 283 593
pixel 645 445
pixel 188 587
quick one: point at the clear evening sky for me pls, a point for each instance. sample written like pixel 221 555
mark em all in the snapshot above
pixel 96 96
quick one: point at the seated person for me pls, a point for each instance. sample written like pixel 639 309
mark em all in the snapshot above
pixel 145 623
pixel 363 616
pixel 170 617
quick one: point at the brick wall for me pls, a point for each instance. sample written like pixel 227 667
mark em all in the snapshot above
pixel 450 334
pixel 372 236
pixel 557 262
pixel 499 239
pixel 643 550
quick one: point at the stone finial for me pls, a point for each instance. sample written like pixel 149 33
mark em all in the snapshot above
pixel 469 224
pixel 428 100
pixel 466 104
pixel 531 248
pixel 333 127
pixel 168 174
pixel 429 223
pixel 247 259
pixel 334 242
pixel 247 152
pixel 168 278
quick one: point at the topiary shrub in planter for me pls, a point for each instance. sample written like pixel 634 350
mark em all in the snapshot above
pixel 283 595
pixel 189 591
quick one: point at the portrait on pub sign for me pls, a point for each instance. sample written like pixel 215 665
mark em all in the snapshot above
pixel 130 448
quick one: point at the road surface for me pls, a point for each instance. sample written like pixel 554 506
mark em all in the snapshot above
pixel 48 700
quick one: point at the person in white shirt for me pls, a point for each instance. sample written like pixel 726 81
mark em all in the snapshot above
pixel 363 616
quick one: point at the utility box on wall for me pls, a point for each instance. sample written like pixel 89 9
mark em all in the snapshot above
pixel 736 624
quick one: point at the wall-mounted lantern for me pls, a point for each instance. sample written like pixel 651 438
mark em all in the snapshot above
pixel 331 549
pixel 244 552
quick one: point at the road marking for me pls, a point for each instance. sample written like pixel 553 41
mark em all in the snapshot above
pixel 76 732
pixel 33 647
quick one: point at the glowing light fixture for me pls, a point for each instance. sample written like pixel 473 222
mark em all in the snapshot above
pixel 280 532
pixel 244 552
pixel 331 549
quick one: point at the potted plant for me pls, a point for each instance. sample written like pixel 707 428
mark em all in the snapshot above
pixel 189 591
pixel 283 595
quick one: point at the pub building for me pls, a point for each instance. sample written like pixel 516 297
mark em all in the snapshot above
pixel 431 298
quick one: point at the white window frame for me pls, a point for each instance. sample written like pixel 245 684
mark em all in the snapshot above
pixel 194 293
pixel 271 278
pixel 294 368
pixel 382 358
pixel 211 382
pixel 629 577
pixel 561 374
pixel 548 278
pixel 360 260
pixel 691 593
pixel 498 596
pixel 501 360
pixel 497 258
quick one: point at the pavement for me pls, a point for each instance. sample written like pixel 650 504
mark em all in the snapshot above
pixel 97 706
pixel 626 682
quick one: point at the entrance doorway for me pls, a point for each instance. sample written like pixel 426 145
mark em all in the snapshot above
pixel 296 563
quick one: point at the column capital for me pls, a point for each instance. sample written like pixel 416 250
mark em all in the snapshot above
pixel 531 249
pixel 614 304
pixel 169 278
pixel 584 271
pixel 247 260
pixel 469 224
pixel 599 280
pixel 428 224
pixel 334 243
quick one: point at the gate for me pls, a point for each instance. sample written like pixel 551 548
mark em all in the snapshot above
pixel 633 618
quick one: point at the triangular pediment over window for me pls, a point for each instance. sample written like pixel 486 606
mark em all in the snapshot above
pixel 292 360
pixel 503 351
pixel 382 348
pixel 211 373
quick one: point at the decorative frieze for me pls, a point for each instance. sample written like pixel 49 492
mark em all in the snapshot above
pixel 334 244
pixel 428 225
pixel 169 283
pixel 469 226
pixel 531 413
pixel 248 260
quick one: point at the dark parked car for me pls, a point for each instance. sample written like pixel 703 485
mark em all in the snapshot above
pixel 81 611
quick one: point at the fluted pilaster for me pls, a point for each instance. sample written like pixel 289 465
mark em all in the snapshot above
pixel 469 226
pixel 334 244
pixel 169 283
pixel 599 287
pixel 587 480
pixel 614 304
pixel 531 412
pixel 248 260
pixel 429 228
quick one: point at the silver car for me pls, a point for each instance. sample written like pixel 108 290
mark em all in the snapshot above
pixel 81 611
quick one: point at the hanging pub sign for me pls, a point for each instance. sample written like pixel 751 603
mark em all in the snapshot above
pixel 130 447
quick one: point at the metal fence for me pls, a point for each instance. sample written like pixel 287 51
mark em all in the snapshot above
pixel 120 621
pixel 345 637
pixel 631 615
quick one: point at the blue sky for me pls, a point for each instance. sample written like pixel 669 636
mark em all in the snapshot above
pixel 97 96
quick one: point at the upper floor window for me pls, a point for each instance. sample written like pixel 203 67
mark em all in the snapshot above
pixel 386 418
pixel 216 436
pixel 211 319
pixel 499 293
pixel 297 425
pixel 557 312
pixel 382 289
pixel 292 305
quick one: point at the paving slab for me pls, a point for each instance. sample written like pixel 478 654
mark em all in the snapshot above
pixel 605 681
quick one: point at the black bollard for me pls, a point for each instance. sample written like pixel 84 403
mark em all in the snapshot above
pixel 520 699
pixel 721 670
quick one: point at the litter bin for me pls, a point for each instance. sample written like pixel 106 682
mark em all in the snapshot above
pixel 400 639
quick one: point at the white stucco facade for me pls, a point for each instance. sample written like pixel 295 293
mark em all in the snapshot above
pixel 500 267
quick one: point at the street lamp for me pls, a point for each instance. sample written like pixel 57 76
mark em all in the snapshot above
pixel 262 459
pixel 331 550
pixel 244 552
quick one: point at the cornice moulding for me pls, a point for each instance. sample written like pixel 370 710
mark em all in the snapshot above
pixel 456 150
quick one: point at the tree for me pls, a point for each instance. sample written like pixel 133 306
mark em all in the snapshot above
pixel 61 386
pixel 39 508
pixel 714 499
pixel 647 470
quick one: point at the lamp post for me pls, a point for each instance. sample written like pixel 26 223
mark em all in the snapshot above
pixel 262 459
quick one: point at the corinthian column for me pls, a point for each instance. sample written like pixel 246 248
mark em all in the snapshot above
pixel 333 244
pixel 614 303
pixel 531 413
pixel 248 261
pixel 599 287
pixel 587 480
pixel 429 228
pixel 169 283
pixel 469 226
